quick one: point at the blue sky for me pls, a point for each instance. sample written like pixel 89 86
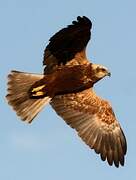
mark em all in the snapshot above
pixel 48 148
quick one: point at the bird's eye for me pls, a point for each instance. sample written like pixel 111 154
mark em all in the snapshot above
pixel 103 70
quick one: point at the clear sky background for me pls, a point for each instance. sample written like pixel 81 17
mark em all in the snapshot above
pixel 48 149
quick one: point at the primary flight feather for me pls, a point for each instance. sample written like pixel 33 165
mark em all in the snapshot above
pixel 67 84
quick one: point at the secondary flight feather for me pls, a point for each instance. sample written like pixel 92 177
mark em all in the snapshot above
pixel 67 84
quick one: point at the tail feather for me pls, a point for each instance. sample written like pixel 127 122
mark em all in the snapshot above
pixel 18 97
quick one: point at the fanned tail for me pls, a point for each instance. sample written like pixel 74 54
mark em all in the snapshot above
pixel 18 97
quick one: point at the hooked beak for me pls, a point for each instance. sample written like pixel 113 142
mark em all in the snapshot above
pixel 109 74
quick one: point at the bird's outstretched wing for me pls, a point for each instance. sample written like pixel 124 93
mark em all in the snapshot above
pixel 68 43
pixel 95 122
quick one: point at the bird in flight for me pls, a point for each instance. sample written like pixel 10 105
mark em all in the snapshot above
pixel 67 84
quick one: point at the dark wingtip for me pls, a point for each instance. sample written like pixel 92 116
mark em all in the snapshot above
pixel 124 142
pixel 84 20
pixel 115 154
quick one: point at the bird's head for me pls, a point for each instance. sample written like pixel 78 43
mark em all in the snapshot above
pixel 99 72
